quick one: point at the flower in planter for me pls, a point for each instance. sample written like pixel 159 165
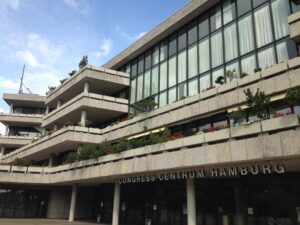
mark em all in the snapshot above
pixel 277 114
pixel 173 137
pixel 209 129
pixel 180 135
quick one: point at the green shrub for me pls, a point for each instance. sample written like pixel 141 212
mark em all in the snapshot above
pixel 104 148
pixel 72 157
pixel 237 116
pixel 293 95
pixel 88 152
pixel 121 146
pixel 156 138
pixel 19 162
pixel 220 80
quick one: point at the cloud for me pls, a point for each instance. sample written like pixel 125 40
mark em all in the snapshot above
pixel 78 5
pixel 13 4
pixel 140 35
pixel 106 46
pixel 2 127
pixel 28 57
pixel 8 84
pixel 123 34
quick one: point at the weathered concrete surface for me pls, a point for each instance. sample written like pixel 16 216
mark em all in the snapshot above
pixel 42 222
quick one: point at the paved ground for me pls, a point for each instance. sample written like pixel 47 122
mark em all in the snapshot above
pixel 41 222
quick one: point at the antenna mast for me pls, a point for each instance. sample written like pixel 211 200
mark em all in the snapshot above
pixel 22 83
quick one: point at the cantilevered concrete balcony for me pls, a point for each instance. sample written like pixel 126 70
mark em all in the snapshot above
pixel 24 100
pixel 15 141
pixel 294 22
pixel 89 79
pixel 84 108
pixel 20 120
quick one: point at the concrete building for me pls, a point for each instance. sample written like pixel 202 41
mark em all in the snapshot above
pixel 195 123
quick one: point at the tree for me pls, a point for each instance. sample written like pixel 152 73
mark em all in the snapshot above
pixel 258 103
pixel 72 72
pixel 84 61
pixel 63 80
pixel 293 95
pixel 50 89
pixel 237 116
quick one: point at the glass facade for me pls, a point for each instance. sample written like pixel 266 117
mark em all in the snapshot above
pixel 233 35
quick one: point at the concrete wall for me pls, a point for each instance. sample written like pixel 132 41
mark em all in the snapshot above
pixel 59 203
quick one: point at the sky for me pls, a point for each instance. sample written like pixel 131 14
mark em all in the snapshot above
pixel 50 37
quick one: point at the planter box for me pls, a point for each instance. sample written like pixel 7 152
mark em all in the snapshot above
pixel 251 78
pixel 294 63
pixel 228 86
pixel 209 93
pixel 5 168
pixel 218 135
pixel 191 99
pixel 280 123
pixel 174 144
pixel 244 130
pixel 18 169
pixel 276 69
pixel 35 169
pixel 193 140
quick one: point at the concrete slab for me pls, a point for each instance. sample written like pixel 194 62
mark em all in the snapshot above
pixel 41 222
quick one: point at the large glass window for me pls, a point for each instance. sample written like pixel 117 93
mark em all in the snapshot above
pixel 172 71
pixel 182 67
pixel 228 11
pixel 246 34
pixel 193 61
pixel 172 45
pixel 266 57
pixel 134 69
pixel 172 95
pixel 132 91
pixel 163 76
pixel 203 26
pixel 155 55
pixel 181 40
pixel 263 26
pixel 193 87
pixel 147 84
pixel 182 91
pixel 205 81
pixel 216 49
pixel 154 83
pixel 128 68
pixel 248 64
pixel 216 74
pixel 140 88
pixel 216 18
pixel 141 65
pixel 163 50
pixel 258 2
pixel 163 99
pixel 281 12
pixel 148 60
pixel 233 67
pixel 230 38
pixel 243 6
pixel 204 55
pixel 192 34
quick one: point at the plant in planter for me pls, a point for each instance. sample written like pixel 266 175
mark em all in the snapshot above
pixel 277 114
pixel 20 162
pixel 244 75
pixel 145 105
pixel 293 96
pixel 220 80
pixel 237 116
pixel 230 75
pixel 258 103
pixel 257 70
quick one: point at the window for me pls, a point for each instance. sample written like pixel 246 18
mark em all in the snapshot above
pixel 182 40
pixel 266 57
pixel 258 2
pixel 263 26
pixel 193 87
pixel 148 60
pixel 216 19
pixel 172 46
pixel 182 91
pixel 215 74
pixel 204 56
pixel 172 71
pixel 230 39
pixel 154 82
pixel 280 9
pixel 216 49
pixel 139 88
pixel 205 82
pixel 182 67
pixel 163 50
pixel 192 34
pixel 141 65
pixel 243 6
pixel 172 95
pixel 246 34
pixel 132 93
pixel 282 51
pixel 193 61
pixel 203 27
pixel 128 68
pixel 134 69
pixel 163 76
pixel 228 11
pixel 163 99
pixel 155 55
pixel 248 64
pixel 147 84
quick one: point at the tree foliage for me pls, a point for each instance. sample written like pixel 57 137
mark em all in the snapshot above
pixel 83 62
pixel 146 105
pixel 50 89
pixel 237 116
pixel 72 72
pixel 293 95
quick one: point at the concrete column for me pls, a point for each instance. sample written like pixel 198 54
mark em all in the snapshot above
pixel 58 103
pixel 83 118
pixel 55 128
pixel 51 158
pixel 73 203
pixel 79 149
pixel 47 110
pixel 239 206
pixel 86 89
pixel 6 130
pixel 11 108
pixel 191 202
pixel 116 207
pixel 2 152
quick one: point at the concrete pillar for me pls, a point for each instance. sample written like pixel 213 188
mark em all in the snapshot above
pixel 55 128
pixel 58 103
pixel 6 130
pixel 11 108
pixel 116 207
pixel 47 110
pixel 86 89
pixel 79 149
pixel 2 152
pixel 83 118
pixel 191 202
pixel 73 203
pixel 239 218
pixel 51 158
